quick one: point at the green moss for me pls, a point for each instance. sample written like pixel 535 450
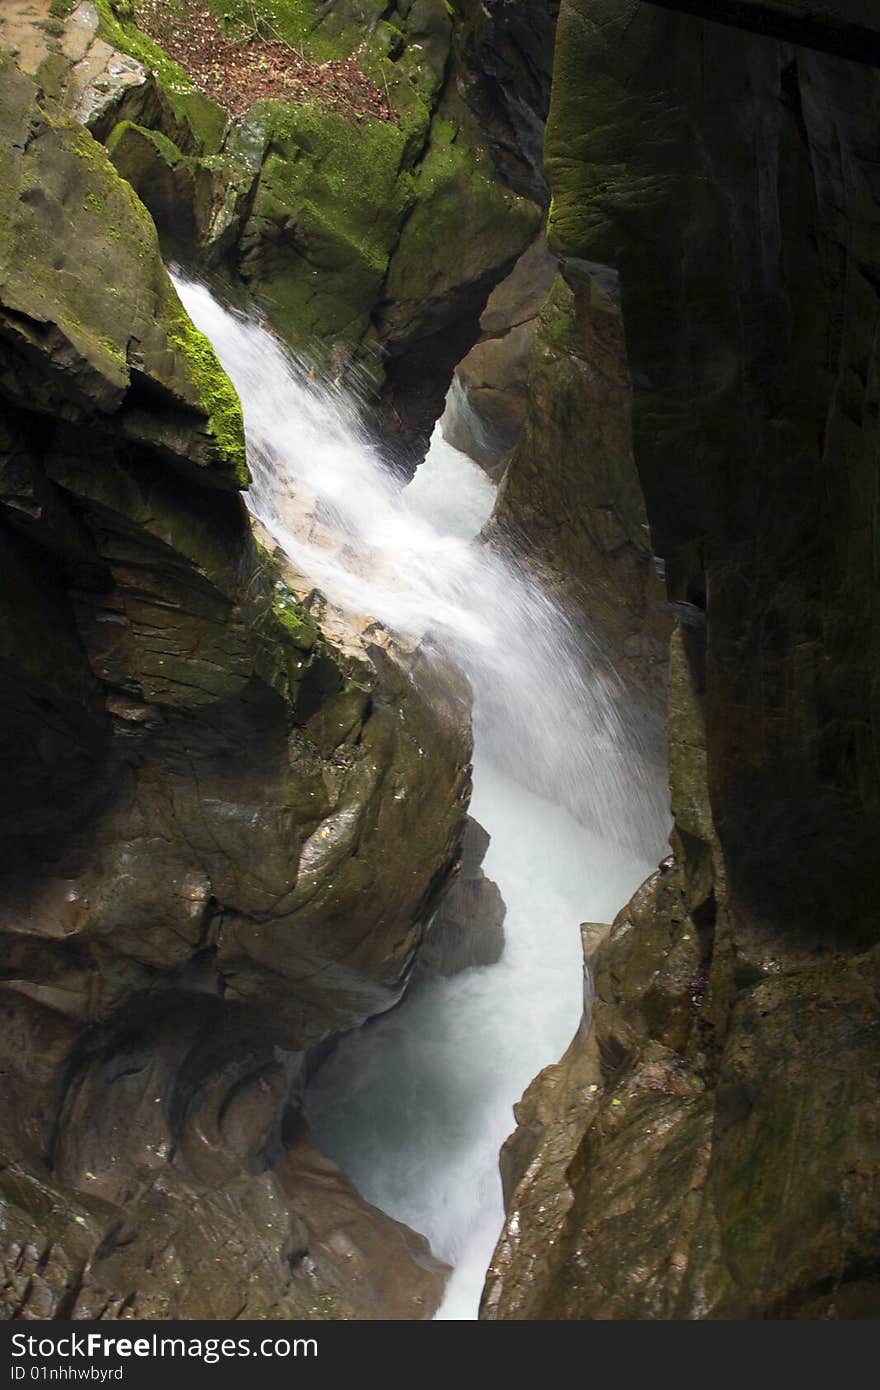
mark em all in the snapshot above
pixel 404 70
pixel 613 157
pixel 297 625
pixel 86 148
pixel 204 117
pixel 112 302
pixel 164 147
pixel 463 220
pixel 53 74
pixel 335 34
pixel 317 243
pixel 321 161
pixel 217 394
pixel 287 638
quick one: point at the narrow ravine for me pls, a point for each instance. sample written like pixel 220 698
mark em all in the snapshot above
pixel 416 1105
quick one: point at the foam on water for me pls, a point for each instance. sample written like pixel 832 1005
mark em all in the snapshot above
pixel 416 1104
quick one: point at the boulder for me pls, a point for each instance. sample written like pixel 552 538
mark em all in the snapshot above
pixel 468 927
pixel 651 1179
pixel 486 408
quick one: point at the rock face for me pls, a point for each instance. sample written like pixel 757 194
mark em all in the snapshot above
pixel 709 1148
pixel 571 501
pixel 383 278
pixel 468 928
pixel 504 56
pixel 486 409
pixel 203 804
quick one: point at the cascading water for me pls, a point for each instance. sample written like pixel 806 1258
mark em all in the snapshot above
pixel 416 1105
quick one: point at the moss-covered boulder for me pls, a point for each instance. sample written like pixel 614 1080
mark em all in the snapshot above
pixel 316 243
pixel 100 347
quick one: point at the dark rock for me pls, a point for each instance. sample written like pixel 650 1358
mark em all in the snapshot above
pixel 504 51
pixel 203 803
pixel 468 927
pixel 644 1183
pixel 850 28
pixel 713 1153
pixel 486 409
pixel 464 234
pixel 570 504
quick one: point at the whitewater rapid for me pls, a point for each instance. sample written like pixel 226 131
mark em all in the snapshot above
pixel 416 1104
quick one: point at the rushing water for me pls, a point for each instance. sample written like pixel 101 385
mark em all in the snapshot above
pixel 416 1104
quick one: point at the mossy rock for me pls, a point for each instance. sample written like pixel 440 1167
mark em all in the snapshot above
pixel 87 340
pixel 466 228
pixel 403 50
pixel 316 246
pixel 204 117
pixel 161 175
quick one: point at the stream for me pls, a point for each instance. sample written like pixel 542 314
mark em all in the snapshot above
pixel 416 1104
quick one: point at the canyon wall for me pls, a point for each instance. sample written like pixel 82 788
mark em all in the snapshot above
pixel 709 1145
pixel 207 788
pixel 203 807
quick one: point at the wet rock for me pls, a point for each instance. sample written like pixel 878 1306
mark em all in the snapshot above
pixel 505 62
pixel 356 1256
pixel 204 804
pixel 386 280
pixel 78 70
pixel 487 408
pixel 647 1180
pixel 722 1159
pixel 570 504
pixel 468 927
pixel 464 234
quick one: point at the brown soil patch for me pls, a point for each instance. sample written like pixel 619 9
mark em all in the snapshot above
pixel 241 70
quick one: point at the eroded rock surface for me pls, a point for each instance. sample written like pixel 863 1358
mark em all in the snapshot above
pixel 468 927
pixel 709 1148
pixel 487 408
pixel 570 500
pixel 204 803
pixel 381 278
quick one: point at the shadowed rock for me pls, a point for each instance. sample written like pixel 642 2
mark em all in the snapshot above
pixel 468 927
pixel 204 802
pixel 714 1150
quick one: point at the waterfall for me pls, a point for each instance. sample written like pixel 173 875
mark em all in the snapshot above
pixel 416 1105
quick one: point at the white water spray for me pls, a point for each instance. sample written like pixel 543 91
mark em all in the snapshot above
pixel 416 1105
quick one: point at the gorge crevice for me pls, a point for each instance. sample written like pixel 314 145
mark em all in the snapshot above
pixel 259 703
